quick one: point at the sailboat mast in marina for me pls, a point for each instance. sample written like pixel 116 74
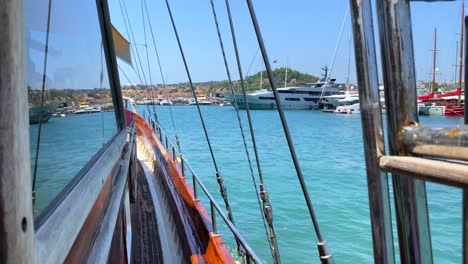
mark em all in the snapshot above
pixel 460 62
pixel 434 61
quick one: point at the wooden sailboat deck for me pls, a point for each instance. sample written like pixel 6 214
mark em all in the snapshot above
pixel 145 236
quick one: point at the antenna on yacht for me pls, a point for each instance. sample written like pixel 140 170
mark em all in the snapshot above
pixel 325 74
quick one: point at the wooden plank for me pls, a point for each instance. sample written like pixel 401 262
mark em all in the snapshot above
pixel 432 170
pixel 16 220
pixel 56 236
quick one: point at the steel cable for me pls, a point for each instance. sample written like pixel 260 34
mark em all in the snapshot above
pixel 219 178
pixel 231 89
pixel 162 76
pixel 267 208
pixel 324 252
pixel 38 143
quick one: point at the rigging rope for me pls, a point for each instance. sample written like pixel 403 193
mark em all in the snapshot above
pixel 323 250
pixel 134 42
pixel 162 76
pixel 126 77
pixel 137 71
pixel 138 55
pixel 101 79
pixel 219 178
pixel 267 208
pixel 148 62
pixel 236 107
pixel 46 50
pixel 339 41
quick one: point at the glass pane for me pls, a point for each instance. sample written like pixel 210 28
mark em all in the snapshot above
pixel 77 116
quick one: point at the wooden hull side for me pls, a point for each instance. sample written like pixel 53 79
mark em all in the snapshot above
pixel 204 246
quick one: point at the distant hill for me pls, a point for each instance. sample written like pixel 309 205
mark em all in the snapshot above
pixel 101 96
pixel 295 78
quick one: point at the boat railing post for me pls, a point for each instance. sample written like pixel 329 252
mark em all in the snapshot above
pixel 372 129
pixel 398 71
pixel 194 182
pixel 213 217
pixel 167 146
pixel 173 154
pixel 182 167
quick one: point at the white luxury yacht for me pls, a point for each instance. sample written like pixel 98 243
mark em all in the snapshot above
pixel 291 98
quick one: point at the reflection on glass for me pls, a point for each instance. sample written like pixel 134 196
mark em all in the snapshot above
pixel 76 114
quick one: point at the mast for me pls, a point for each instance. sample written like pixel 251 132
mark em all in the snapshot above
pixel 286 75
pixel 261 79
pixel 325 74
pixel 460 70
pixel 434 60
pixel 349 61
pixel 456 65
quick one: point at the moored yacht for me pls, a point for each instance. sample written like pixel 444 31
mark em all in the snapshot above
pixel 349 104
pixel 336 99
pixel 291 98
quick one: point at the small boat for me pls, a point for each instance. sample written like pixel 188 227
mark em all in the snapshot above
pixel 348 105
pixel 201 102
pixel 165 102
pixel 87 110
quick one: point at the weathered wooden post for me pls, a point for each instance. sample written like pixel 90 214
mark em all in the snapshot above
pixel 16 218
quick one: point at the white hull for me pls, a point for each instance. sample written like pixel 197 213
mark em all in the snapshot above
pixel 291 98
pixel 348 109
pixel 432 110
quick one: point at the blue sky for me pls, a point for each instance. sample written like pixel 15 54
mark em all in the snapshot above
pixel 302 32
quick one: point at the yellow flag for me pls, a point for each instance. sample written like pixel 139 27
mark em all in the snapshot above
pixel 122 46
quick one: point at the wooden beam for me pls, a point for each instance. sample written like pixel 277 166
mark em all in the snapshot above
pixel 16 219
pixel 455 174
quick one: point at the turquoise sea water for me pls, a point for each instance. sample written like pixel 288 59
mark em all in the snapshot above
pixel 330 151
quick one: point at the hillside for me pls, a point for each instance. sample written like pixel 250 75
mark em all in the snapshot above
pixel 295 78
pixel 102 96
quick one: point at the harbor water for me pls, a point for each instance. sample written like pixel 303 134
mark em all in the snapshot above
pixel 330 151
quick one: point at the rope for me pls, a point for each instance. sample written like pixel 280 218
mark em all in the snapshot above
pixel 148 62
pixel 231 89
pixel 101 79
pixel 267 208
pixel 134 42
pixel 219 178
pixel 284 122
pixel 137 71
pixel 339 41
pixel 46 50
pixel 162 76
pixel 138 55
